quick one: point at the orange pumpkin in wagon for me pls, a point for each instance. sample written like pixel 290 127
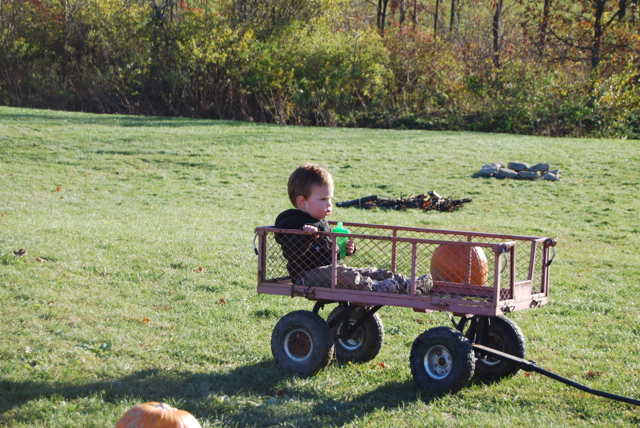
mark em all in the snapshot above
pixel 456 263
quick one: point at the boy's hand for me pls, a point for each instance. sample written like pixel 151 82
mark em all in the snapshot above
pixel 351 247
pixel 310 229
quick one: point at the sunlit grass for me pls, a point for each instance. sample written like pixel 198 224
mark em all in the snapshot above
pixel 147 223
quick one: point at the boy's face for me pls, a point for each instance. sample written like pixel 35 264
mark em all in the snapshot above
pixel 318 204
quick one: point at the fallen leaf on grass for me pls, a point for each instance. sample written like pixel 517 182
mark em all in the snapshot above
pixel 58 188
pixel 40 259
pixel 145 320
pixel 592 374
pixel 280 392
pixel 20 252
pixel 222 301
pixel 200 269
pixel 527 374
pixel 418 320
pixel 383 366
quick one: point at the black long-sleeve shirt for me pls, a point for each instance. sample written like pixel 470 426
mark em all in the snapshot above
pixel 303 252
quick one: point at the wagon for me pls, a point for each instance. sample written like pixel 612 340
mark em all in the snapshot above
pixel 476 277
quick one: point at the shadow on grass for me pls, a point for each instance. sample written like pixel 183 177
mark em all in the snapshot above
pixel 390 396
pixel 69 118
pixel 247 396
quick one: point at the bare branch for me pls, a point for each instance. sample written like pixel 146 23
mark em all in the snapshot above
pixel 569 43
pixel 605 26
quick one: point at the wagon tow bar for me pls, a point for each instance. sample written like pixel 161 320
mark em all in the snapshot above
pixel 531 366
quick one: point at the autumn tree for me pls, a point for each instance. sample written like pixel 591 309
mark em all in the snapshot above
pixel 586 30
pixel 496 32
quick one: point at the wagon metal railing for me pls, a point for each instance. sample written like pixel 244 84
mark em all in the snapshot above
pixel 484 274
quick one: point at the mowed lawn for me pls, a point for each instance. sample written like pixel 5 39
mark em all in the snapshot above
pixel 148 291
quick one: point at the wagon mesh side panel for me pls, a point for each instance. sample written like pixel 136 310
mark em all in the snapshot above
pixel 523 254
pixel 452 283
pixel 371 253
pixel 538 287
pixel 374 231
pixel 276 265
pixel 415 234
pixel 457 282
pixel 522 258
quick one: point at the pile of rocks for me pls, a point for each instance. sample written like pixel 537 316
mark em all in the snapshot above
pixel 520 171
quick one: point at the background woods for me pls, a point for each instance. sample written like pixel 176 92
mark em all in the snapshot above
pixel 548 67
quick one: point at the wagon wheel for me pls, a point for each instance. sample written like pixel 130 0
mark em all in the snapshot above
pixel 302 342
pixel 442 360
pixel 363 344
pixel 505 336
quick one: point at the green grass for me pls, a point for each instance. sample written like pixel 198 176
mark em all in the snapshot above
pixel 121 314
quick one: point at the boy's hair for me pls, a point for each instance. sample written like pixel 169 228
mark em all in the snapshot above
pixel 304 178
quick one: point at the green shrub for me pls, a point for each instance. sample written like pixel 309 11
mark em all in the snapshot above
pixel 321 62
pixel 315 76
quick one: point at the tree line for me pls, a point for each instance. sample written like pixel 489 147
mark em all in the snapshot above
pixel 544 67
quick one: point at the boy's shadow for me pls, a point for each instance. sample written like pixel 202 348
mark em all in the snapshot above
pixel 207 395
pixel 389 396
pixel 150 385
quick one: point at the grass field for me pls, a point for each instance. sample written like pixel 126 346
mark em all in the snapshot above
pixel 147 223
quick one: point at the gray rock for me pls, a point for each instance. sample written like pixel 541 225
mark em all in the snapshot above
pixel 518 166
pixel 540 167
pixel 551 177
pixel 528 174
pixel 506 173
pixel 488 170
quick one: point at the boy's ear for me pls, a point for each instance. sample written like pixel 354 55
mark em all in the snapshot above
pixel 300 200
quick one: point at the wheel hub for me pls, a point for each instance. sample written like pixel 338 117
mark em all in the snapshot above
pixel 438 362
pixel 354 341
pixel 298 345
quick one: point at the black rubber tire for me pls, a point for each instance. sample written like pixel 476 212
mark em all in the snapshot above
pixel 302 342
pixel 504 336
pixel 442 360
pixel 365 343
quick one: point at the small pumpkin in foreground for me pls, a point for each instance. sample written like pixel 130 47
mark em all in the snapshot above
pixel 157 415
pixel 457 263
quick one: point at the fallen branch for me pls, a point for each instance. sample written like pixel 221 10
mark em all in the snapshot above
pixel 358 202
pixel 429 202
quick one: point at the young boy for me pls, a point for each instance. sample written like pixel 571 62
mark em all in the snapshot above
pixel 308 257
